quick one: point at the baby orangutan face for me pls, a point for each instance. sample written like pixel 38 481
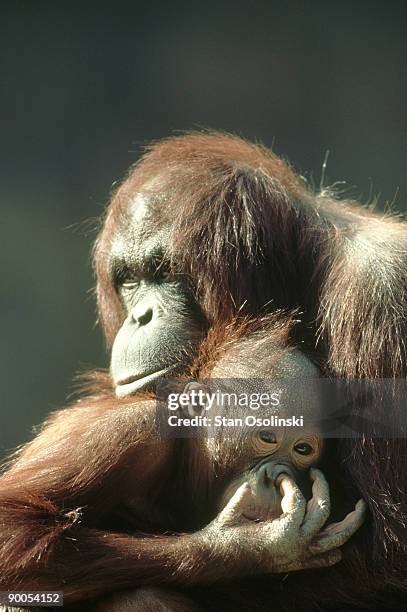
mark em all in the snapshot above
pixel 269 454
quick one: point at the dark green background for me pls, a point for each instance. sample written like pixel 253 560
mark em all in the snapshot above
pixel 84 84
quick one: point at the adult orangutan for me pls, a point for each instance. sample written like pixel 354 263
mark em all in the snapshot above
pixel 207 226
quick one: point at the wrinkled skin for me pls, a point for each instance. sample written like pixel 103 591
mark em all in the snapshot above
pixel 162 321
pixel 298 539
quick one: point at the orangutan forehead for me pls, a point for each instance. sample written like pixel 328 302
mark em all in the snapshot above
pixel 138 241
pixel 262 357
pixel 287 375
pixel 294 364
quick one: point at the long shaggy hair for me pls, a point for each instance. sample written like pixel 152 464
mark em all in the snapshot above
pixel 252 238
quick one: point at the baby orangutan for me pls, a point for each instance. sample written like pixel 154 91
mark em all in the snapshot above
pixel 264 457
pixel 253 477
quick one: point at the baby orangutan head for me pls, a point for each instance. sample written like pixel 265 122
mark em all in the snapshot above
pixel 263 424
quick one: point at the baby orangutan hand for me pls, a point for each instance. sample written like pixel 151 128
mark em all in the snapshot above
pixel 296 540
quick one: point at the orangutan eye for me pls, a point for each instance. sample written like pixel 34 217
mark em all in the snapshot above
pixel 303 448
pixel 130 284
pixel 268 437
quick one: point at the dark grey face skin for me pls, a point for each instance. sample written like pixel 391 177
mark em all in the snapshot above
pixel 163 322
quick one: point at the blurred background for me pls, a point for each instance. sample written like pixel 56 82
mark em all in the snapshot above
pixel 84 85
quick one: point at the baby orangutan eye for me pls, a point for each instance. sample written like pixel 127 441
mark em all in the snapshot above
pixel 302 448
pixel 268 437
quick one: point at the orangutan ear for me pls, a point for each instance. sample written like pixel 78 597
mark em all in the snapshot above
pixel 198 403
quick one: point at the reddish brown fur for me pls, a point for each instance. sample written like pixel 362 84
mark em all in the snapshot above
pixel 251 234
pixel 61 498
pixel 200 182
pixel 247 230
pixel 63 493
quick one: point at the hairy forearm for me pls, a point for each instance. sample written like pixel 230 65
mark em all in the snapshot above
pixel 85 563
pixel 86 461
pixel 86 452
